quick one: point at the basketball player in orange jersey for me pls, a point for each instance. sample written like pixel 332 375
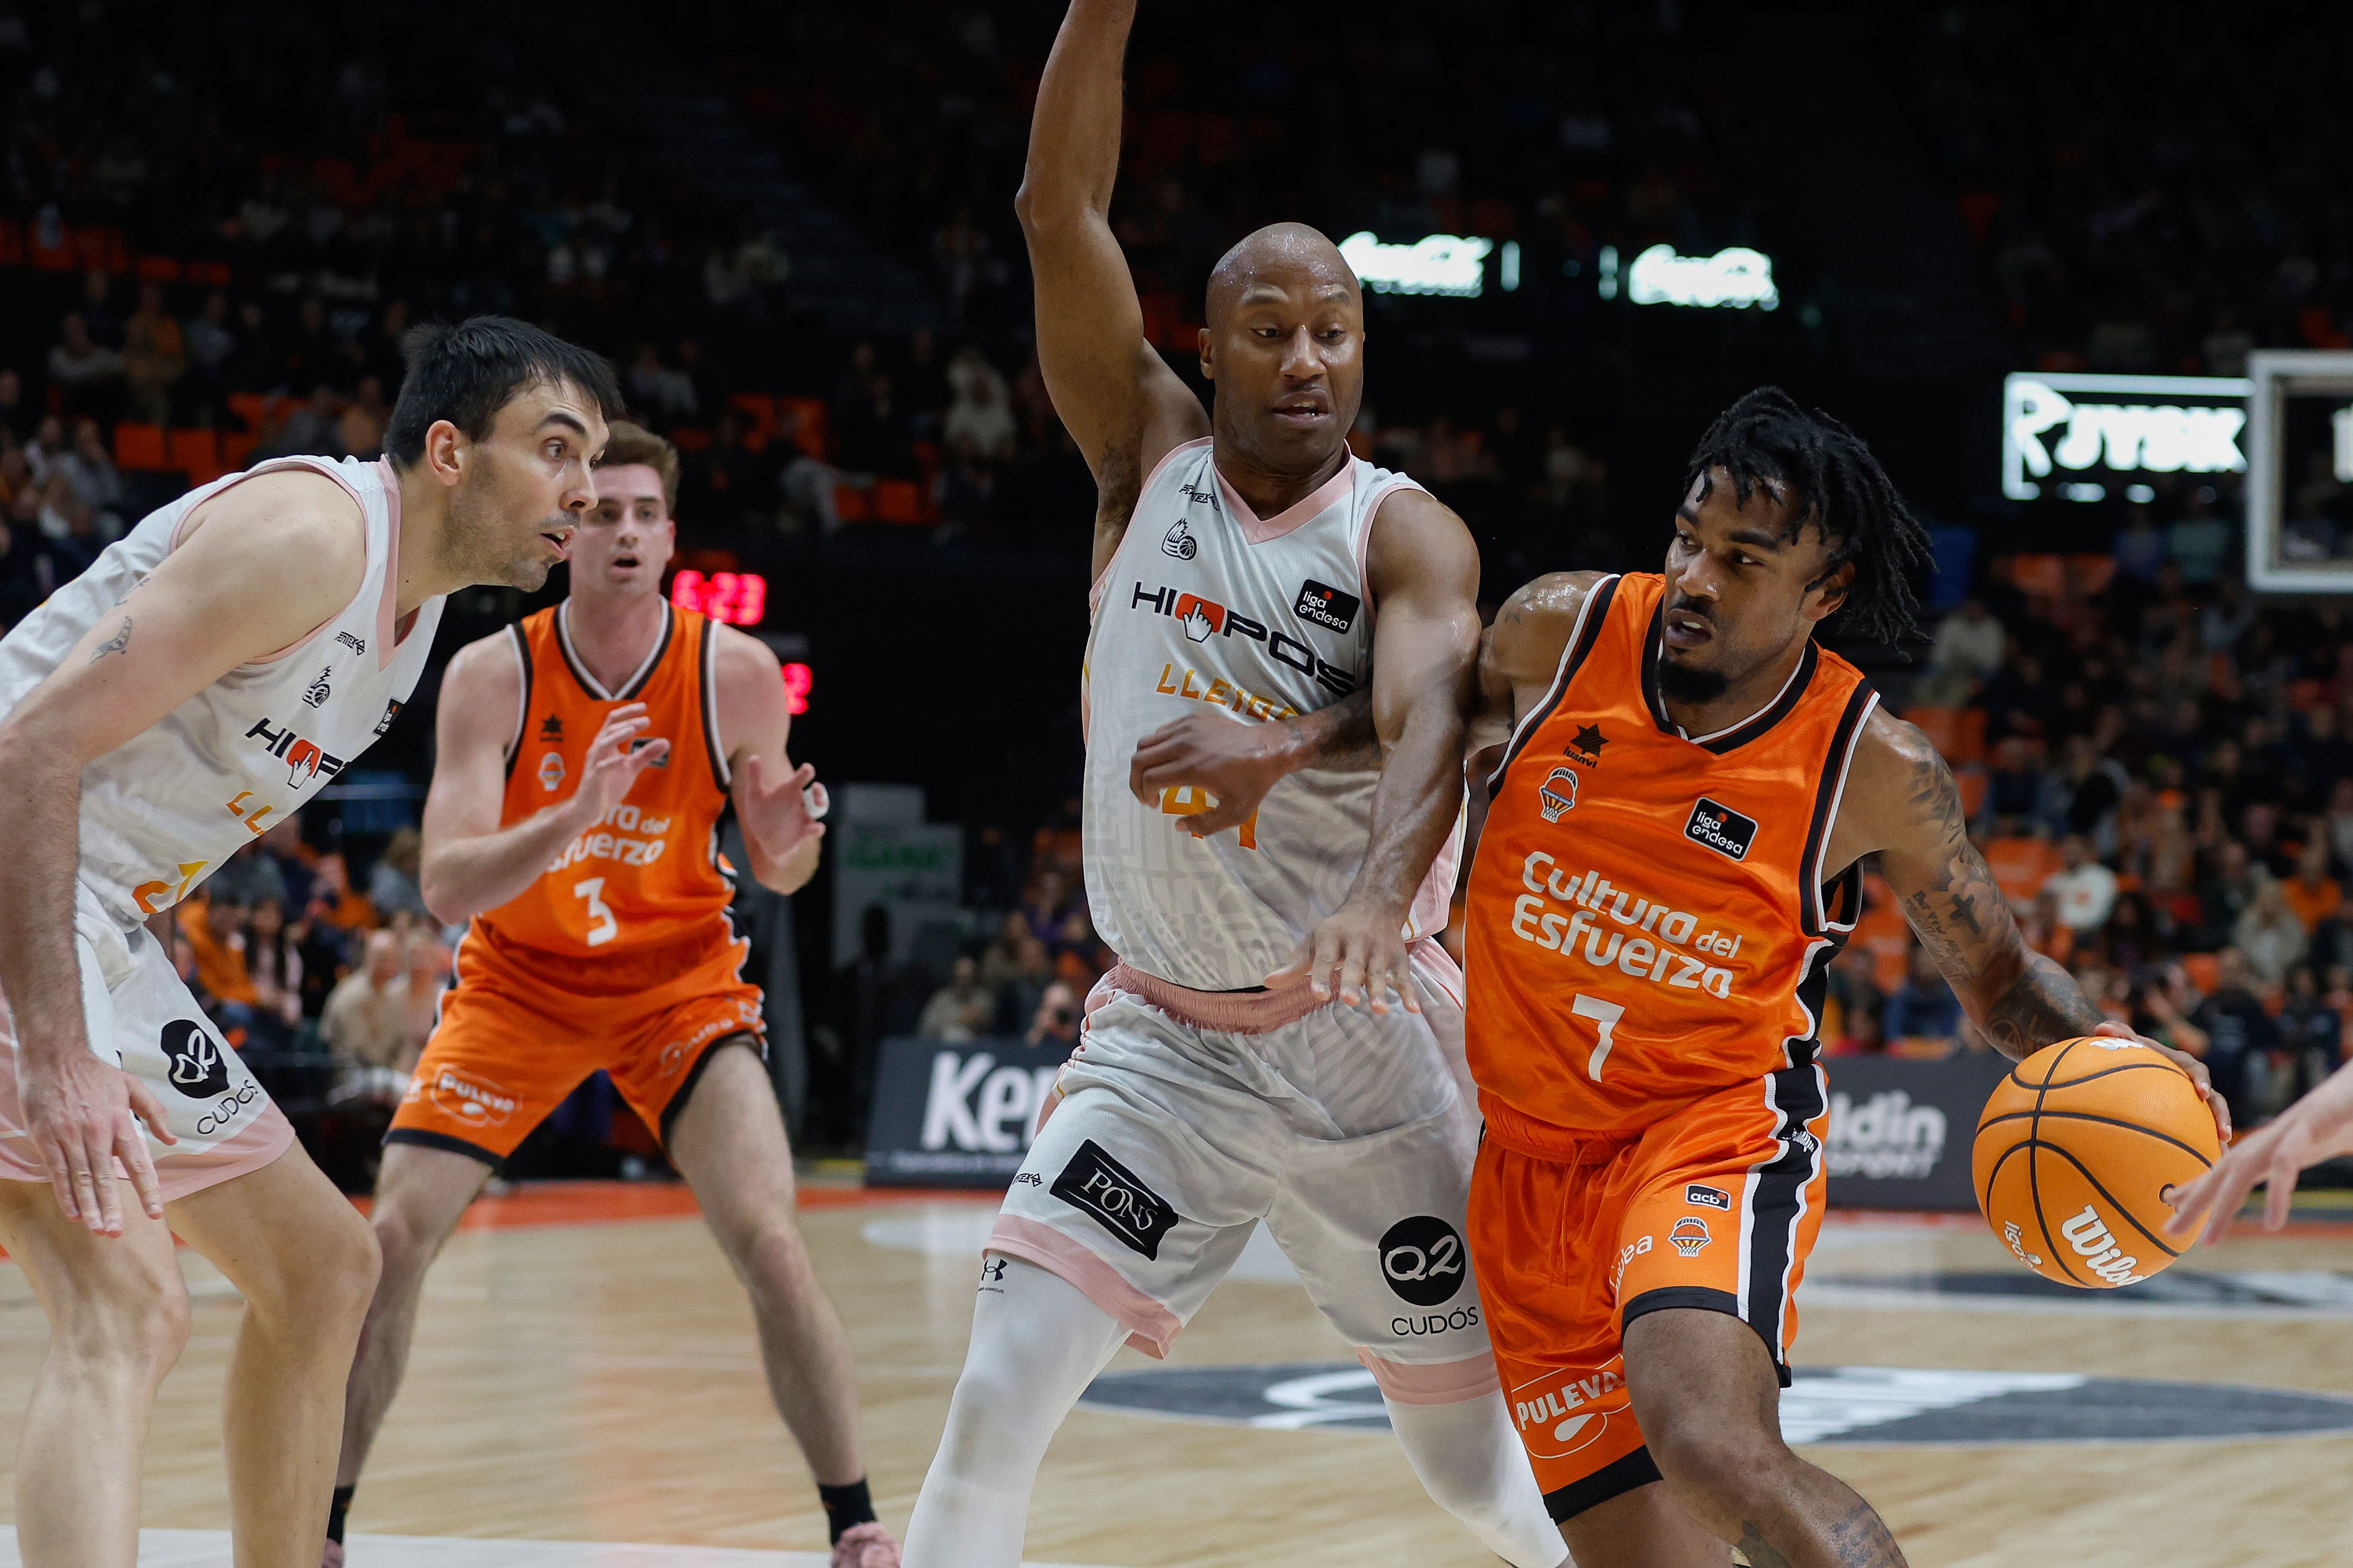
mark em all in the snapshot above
pixel 1684 785
pixel 586 757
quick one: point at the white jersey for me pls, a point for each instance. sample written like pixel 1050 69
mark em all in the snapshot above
pixel 163 810
pixel 1207 607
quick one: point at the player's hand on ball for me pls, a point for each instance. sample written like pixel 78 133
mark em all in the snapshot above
pixel 2189 1064
pixel 616 758
pixel 83 1114
pixel 2317 1127
pixel 1357 952
pixel 1238 763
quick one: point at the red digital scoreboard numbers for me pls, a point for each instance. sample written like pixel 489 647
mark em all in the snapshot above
pixel 739 599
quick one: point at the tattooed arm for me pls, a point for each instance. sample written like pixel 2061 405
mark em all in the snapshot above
pixel 1901 803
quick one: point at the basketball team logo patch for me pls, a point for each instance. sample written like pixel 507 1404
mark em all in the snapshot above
pixel 1557 793
pixel 197 1066
pixel 551 771
pixel 1721 829
pixel 1690 1234
pixel 1115 1198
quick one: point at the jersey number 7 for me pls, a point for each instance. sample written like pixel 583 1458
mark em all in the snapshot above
pixel 1605 1016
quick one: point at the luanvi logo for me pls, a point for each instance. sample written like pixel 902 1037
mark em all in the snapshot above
pixel 1721 829
pixel 1115 1198
pixel 551 728
pixel 1321 605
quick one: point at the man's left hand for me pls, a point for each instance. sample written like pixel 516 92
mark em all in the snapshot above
pixel 2189 1064
pixel 780 817
pixel 1364 945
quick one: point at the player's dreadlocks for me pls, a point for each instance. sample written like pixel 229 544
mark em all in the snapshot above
pixel 1837 485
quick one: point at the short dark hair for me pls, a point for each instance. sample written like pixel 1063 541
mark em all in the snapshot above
pixel 465 374
pixel 1836 484
pixel 627 444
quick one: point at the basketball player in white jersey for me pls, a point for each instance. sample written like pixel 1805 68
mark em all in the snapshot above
pixel 205 679
pixel 1244 1061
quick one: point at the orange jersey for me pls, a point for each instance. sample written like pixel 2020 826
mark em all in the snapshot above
pixel 1648 920
pixel 650 873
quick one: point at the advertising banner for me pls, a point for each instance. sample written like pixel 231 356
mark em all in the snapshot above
pixel 1901 1129
pixel 956 1115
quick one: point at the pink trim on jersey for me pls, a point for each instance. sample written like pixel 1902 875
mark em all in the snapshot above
pixel 1095 592
pixel 1151 1326
pixel 1228 1012
pixel 309 464
pixel 177 1174
pixel 1364 541
pixel 387 634
pixel 1446 1383
pixel 1328 495
pixel 1436 968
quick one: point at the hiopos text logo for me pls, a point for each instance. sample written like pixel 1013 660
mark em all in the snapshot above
pixel 1202 619
pixel 303 759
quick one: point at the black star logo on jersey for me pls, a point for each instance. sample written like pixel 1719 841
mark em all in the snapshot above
pixel 1586 747
pixel 551 728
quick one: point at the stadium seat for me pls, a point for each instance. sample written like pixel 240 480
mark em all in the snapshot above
pixel 850 503
pixel 139 446
pixel 1958 734
pixel 2205 971
pixel 2020 866
pixel 235 447
pixel 899 500
pixel 759 412
pixel 2042 575
pixel 196 453
pixel 1972 780
pixel 811 426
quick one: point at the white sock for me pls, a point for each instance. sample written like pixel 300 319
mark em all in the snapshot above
pixel 1035 1347
pixel 1471 1464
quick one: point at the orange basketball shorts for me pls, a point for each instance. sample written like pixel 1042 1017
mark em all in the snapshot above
pixel 1714 1207
pixel 521 1029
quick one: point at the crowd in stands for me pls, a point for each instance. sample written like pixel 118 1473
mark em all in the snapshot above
pixel 2160 779
pixel 2154 196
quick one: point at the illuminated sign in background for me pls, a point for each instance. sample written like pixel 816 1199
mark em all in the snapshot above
pixel 738 598
pixel 1734 277
pixel 2079 434
pixel 1449 264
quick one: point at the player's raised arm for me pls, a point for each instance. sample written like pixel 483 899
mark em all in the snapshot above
pixel 1423 572
pixel 1119 400
pixel 266 564
pixel 1901 802
pixel 471 863
pixel 778 804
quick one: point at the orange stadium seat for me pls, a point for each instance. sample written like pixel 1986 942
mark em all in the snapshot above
pixel 2020 866
pixel 2205 971
pixel 235 447
pixel 139 446
pixel 759 412
pixel 901 501
pixel 850 503
pixel 2043 576
pixel 196 453
pixel 1972 780
pixel 810 426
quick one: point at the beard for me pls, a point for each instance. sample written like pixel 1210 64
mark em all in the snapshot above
pixel 477 548
pixel 1681 682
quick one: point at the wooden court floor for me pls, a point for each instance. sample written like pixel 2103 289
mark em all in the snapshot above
pixel 584 1371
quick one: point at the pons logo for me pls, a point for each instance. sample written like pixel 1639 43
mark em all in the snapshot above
pixel 1115 1198
pixel 2088 1233
pixel 1888 1139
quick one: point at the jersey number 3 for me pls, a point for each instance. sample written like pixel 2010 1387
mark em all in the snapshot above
pixel 604 928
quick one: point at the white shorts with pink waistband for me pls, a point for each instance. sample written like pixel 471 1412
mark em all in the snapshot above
pixel 141 1018
pixel 1190 1117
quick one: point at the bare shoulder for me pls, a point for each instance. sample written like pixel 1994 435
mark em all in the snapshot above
pixel 754 711
pixel 738 657
pixel 1899 792
pixel 1418 542
pixel 300 508
pixel 482 686
pixel 1532 630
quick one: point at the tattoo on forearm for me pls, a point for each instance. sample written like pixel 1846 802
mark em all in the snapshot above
pixel 1759 1553
pixel 2043 1005
pixel 118 643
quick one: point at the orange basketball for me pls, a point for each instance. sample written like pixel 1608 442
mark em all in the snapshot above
pixel 2075 1152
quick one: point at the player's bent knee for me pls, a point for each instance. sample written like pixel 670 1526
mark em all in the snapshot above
pixel 137 1318
pixel 1703 1454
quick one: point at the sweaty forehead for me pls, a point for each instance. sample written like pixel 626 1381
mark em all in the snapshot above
pixel 1284 265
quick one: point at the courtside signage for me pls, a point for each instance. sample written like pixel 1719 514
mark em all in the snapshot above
pixel 2080 437
pixel 956 1115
